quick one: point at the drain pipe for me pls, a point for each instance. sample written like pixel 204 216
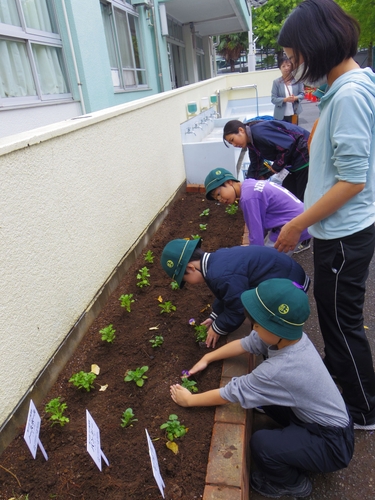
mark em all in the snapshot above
pixel 74 58
pixel 157 45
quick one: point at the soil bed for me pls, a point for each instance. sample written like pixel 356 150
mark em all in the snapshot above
pixel 70 473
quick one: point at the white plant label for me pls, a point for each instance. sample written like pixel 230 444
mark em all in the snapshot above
pixel 155 465
pixel 31 434
pixel 93 441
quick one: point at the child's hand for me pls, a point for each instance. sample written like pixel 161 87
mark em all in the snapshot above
pixel 207 322
pixel 212 338
pixel 198 367
pixel 180 395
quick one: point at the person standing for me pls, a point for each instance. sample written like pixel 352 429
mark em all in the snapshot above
pixel 287 94
pixel 321 40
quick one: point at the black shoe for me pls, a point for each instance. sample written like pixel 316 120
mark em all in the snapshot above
pixel 270 489
pixel 304 245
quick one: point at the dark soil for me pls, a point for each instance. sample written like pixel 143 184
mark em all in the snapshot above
pixel 70 473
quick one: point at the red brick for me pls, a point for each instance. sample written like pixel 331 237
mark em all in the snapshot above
pixel 221 493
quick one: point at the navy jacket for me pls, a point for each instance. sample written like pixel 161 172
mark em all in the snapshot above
pixel 231 271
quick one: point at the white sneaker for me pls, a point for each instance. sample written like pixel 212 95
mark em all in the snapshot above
pixel 301 247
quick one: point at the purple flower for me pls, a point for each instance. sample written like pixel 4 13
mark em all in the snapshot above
pixel 192 321
pixel 185 373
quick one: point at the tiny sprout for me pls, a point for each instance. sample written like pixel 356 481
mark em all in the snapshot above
pixel 231 209
pixel 56 409
pixel 157 341
pixel 138 375
pixel 149 256
pixel 195 236
pixel 126 301
pixel 142 276
pixel 174 285
pixel 203 227
pixel 127 418
pixel 173 428
pixel 205 212
pixel 108 333
pixel 83 380
pixel 167 307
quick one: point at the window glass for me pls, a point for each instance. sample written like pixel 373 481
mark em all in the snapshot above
pixel 9 13
pixel 16 78
pixel 38 15
pixel 50 69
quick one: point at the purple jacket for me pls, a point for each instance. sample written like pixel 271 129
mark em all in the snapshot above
pixel 267 206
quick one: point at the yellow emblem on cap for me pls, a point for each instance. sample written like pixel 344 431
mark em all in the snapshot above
pixel 283 308
pixel 170 263
pixel 218 172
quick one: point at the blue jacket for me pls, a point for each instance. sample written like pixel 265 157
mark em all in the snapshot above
pixel 281 142
pixel 229 272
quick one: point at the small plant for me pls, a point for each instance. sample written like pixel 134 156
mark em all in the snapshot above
pixel 126 301
pixel 205 213
pixel 108 333
pixel 174 285
pixel 190 385
pixel 149 256
pixel 200 333
pixel 142 277
pixel 203 227
pixel 157 341
pixel 83 380
pixel 173 428
pixel 138 376
pixel 127 418
pixel 231 209
pixel 195 236
pixel 56 409
pixel 167 307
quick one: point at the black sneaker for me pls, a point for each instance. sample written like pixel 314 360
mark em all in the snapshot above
pixel 269 489
pixel 304 245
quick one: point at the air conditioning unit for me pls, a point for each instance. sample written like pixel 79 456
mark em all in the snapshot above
pixel 138 3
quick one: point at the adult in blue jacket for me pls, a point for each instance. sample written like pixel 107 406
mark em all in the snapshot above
pixel 282 143
pixel 228 272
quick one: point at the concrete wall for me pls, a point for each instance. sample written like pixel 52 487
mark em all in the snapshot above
pixel 75 198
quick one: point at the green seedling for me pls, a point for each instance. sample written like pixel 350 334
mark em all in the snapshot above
pixel 138 376
pixel 108 333
pixel 167 307
pixel 56 409
pixel 190 385
pixel 203 227
pixel 83 380
pixel 231 209
pixel 200 333
pixel 142 277
pixel 126 301
pixel 205 213
pixel 174 285
pixel 173 428
pixel 157 341
pixel 149 256
pixel 127 418
pixel 195 236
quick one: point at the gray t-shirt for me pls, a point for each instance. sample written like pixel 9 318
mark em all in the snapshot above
pixel 295 377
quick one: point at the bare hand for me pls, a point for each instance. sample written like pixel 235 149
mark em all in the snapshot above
pixel 180 395
pixel 212 338
pixel 198 367
pixel 207 322
pixel 288 238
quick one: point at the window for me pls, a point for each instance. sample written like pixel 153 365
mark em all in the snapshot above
pixel 123 43
pixel 32 66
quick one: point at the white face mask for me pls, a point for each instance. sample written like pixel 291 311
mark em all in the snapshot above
pixel 297 73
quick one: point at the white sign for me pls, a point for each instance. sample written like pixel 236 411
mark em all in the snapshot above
pixel 31 435
pixel 93 441
pixel 155 465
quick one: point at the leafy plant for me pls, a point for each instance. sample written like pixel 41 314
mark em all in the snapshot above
pixel 173 428
pixel 167 307
pixel 127 418
pixel 138 375
pixel 205 213
pixel 83 380
pixel 142 276
pixel 149 256
pixel 200 333
pixel 126 301
pixel 231 209
pixel 174 285
pixel 195 236
pixel 157 341
pixel 108 333
pixel 190 385
pixel 203 227
pixel 56 409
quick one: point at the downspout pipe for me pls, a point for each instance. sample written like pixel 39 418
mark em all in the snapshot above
pixel 157 45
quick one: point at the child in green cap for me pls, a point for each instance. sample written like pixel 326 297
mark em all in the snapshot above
pixel 227 272
pixel 266 206
pixel 292 386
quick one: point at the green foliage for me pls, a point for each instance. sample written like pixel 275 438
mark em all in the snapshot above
pixel 231 209
pixel 195 236
pixel 203 227
pixel 83 380
pixel 127 418
pixel 167 307
pixel 138 376
pixel 173 428
pixel 157 341
pixel 142 277
pixel 174 285
pixel 364 12
pixel 190 385
pixel 126 301
pixel 149 257
pixel 231 46
pixel 205 213
pixel 56 409
pixel 200 333
pixel 108 333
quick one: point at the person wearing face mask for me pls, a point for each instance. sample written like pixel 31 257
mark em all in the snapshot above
pixel 287 94
pixel 339 197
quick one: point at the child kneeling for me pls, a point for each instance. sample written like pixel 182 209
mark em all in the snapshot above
pixel 292 386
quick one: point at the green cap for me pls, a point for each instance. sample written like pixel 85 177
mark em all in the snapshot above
pixel 176 256
pixel 216 178
pixel 278 305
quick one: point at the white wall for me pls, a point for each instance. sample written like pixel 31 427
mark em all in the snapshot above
pixel 74 198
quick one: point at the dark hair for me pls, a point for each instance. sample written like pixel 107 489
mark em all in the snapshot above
pixel 322 33
pixel 232 127
pixel 197 254
pixel 282 60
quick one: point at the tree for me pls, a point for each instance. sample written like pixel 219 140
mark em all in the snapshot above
pixel 231 46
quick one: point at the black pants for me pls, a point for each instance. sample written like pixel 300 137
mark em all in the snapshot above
pixel 341 269
pixel 282 455
pixel 295 182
